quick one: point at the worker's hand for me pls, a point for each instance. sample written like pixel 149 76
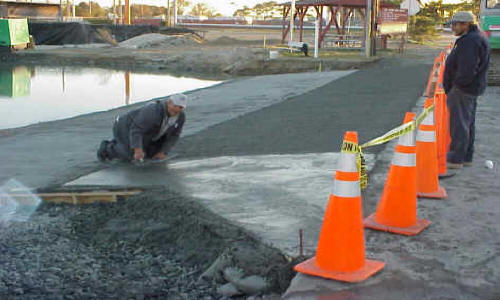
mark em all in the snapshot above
pixel 159 155
pixel 138 154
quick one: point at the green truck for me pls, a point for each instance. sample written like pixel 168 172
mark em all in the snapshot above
pixel 14 33
pixel 490 21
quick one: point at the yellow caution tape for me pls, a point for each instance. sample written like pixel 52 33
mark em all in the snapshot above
pixel 350 147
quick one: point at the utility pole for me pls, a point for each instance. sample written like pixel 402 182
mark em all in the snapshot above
pixel 127 12
pixel 168 13
pixel 316 37
pixel 120 12
pixel 175 13
pixel 60 11
pixel 90 8
pixel 374 26
pixel 371 27
pixel 368 27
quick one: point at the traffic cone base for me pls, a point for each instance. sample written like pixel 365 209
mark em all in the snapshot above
pixel 421 224
pixel 439 194
pixel 371 267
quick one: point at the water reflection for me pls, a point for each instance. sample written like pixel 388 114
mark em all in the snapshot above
pixel 30 95
pixel 15 81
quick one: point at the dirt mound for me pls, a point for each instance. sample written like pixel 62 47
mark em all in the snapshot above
pixel 158 41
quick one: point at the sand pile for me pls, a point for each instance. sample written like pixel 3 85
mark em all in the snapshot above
pixel 157 40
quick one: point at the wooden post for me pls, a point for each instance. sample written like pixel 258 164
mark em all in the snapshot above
pixel 292 19
pixel 328 25
pixel 168 13
pixel 127 12
pixel 286 11
pixel 302 14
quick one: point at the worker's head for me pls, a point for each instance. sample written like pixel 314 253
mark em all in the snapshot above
pixel 176 104
pixel 461 22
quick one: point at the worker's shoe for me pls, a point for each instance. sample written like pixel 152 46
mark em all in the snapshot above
pixel 454 166
pixel 101 152
pixel 467 164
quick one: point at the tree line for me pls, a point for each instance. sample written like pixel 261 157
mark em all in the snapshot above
pixel 83 9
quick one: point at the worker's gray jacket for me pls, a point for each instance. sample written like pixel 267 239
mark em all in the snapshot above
pixel 137 128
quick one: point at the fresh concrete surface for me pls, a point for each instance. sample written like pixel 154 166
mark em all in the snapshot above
pixel 272 196
pixel 457 257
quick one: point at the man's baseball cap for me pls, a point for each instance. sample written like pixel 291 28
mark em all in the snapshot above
pixel 179 100
pixel 464 16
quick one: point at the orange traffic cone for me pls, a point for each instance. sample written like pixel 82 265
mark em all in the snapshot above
pixel 341 247
pixel 427 166
pixel 433 76
pixel 441 123
pixel 397 208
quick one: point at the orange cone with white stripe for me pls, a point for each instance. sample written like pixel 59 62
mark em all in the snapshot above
pixel 427 165
pixel 433 77
pixel 397 208
pixel 442 127
pixel 340 254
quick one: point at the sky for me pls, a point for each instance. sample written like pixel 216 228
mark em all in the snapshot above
pixel 225 7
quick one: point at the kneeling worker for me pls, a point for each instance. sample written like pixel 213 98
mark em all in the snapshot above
pixel 146 132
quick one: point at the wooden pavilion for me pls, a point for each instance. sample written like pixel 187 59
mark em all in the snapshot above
pixel 340 10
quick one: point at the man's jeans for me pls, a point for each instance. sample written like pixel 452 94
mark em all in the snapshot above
pixel 462 108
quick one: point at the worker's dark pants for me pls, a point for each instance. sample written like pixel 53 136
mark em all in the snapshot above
pixel 462 108
pixel 119 149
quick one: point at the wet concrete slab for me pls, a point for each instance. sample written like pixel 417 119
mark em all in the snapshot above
pixel 273 196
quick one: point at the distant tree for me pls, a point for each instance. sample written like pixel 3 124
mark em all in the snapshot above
pixel 203 10
pixel 82 10
pixel 243 12
pixel 182 5
pixel 440 12
pixel 266 10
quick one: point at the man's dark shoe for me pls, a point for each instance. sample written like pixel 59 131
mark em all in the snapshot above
pixel 101 152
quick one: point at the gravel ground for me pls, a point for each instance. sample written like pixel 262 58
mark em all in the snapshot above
pixel 153 245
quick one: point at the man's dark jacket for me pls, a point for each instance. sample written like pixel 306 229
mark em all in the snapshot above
pixel 467 65
pixel 137 128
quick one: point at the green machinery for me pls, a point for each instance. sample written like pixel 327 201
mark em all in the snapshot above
pixel 14 33
pixel 490 21
pixel 15 82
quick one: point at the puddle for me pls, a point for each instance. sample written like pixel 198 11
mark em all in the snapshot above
pixel 30 95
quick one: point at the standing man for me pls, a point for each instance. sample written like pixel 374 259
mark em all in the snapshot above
pixel 464 80
pixel 146 132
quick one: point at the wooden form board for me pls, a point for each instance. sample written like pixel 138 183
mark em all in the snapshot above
pixel 79 197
